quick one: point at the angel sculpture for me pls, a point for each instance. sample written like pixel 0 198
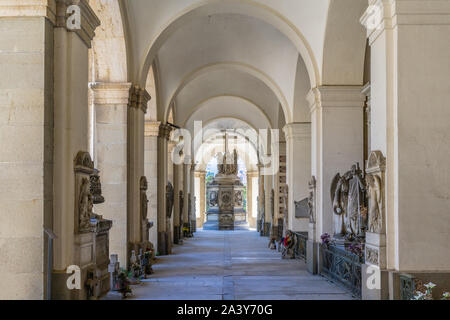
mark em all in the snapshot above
pixel 375 203
pixel 339 199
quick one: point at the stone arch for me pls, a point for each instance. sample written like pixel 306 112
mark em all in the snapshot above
pixel 246 7
pixel 248 155
pixel 258 74
pixel 202 103
pixel 109 54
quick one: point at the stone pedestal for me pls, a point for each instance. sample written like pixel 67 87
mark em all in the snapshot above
pixel 101 253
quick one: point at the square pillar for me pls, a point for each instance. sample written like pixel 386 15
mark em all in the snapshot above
pixel 163 236
pixel 110 156
pixel 337 126
pixel 298 170
pixel 137 107
pixel 151 172
pixel 409 125
pixel 26 157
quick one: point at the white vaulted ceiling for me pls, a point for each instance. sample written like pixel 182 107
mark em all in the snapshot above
pixel 241 58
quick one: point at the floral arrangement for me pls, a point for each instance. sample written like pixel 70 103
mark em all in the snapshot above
pixel 357 249
pixel 427 293
pixel 326 239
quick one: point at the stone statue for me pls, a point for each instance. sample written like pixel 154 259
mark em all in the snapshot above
pixel 339 198
pixel 238 198
pixel 347 195
pixel 169 199
pixel 375 188
pixel 234 169
pixel 181 197
pixel 96 188
pixel 85 205
pixel 144 199
pixel 144 209
pixel 213 199
pixel 355 221
pixel 311 200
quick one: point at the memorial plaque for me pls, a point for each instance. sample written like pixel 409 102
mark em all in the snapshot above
pixel 302 208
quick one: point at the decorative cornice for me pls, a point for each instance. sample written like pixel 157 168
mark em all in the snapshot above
pixel 151 128
pixel 164 131
pixel 29 8
pixel 297 130
pixel 336 97
pixel 391 13
pixel 89 20
pixel 110 93
pixel 138 98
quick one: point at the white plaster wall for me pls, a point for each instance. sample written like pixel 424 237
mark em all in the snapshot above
pixel 421 120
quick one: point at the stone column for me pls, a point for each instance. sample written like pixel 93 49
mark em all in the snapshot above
pixel 71 122
pixel 409 125
pixel 298 170
pixel 110 154
pixel 261 200
pixel 163 237
pixel 26 135
pixel 171 179
pixel 251 200
pixel 201 197
pixel 177 214
pixel 151 172
pixel 193 218
pixel 268 187
pixel 137 107
pixel 186 182
pixel 337 143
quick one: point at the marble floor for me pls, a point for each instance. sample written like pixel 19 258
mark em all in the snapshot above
pixel 231 265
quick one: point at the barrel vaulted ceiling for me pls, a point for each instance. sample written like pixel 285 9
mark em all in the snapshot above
pixel 259 55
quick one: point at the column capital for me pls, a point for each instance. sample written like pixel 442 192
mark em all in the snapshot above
pixel 200 174
pixel 252 174
pixel 31 8
pixel 138 98
pixel 335 97
pixel 151 128
pixel 110 93
pixel 297 130
pixel 164 131
pixel 89 20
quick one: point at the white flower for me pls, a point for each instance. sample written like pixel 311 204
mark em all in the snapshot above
pixel 430 285
pixel 419 296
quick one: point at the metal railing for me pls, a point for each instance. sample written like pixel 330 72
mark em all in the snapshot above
pixel 342 267
pixel 300 245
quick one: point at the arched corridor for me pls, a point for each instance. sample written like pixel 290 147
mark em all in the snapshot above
pixel 231 265
pixel 133 133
